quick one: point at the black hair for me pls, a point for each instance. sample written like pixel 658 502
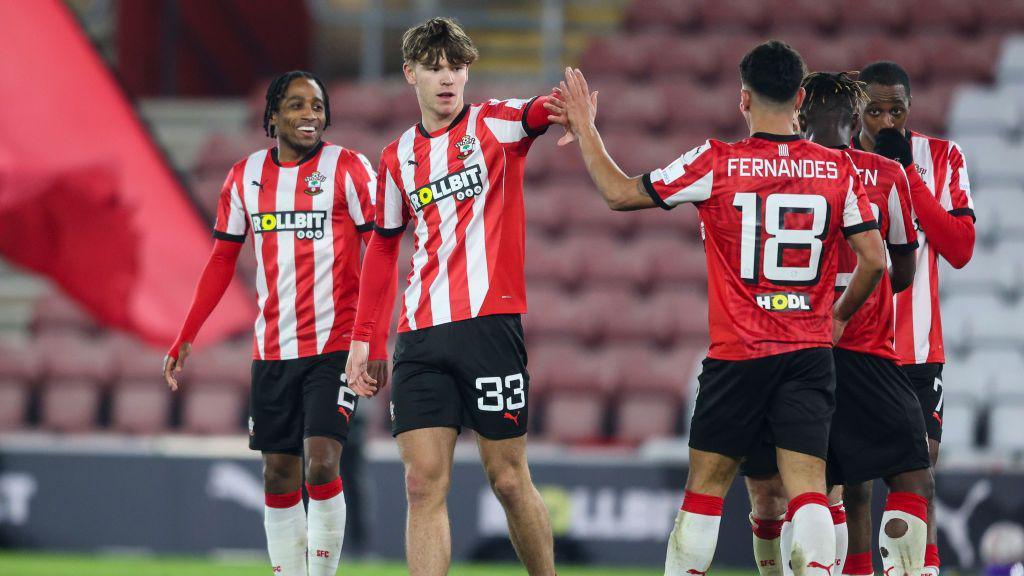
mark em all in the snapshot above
pixel 773 70
pixel 886 74
pixel 832 92
pixel 276 90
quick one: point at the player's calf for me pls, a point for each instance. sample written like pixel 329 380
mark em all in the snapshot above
pixel 767 514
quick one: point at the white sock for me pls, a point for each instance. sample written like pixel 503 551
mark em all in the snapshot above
pixel 767 547
pixel 842 535
pixel 691 546
pixel 904 552
pixel 786 547
pixel 813 551
pixel 326 527
pixel 285 521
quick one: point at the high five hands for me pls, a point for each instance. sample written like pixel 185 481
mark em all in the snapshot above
pixel 572 105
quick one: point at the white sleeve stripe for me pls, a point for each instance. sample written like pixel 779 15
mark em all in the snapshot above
pixel 237 218
pixel 392 203
pixel 696 192
pixel 851 211
pixel 506 131
pixel 897 227
pixel 355 207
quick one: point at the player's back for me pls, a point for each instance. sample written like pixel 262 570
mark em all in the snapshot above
pixel 773 210
pixel 871 330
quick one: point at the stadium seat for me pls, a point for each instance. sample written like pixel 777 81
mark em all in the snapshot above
pixel 590 214
pixel 913 56
pixel 1002 15
pixel 891 16
pixel 999 207
pixel 609 262
pixel 701 109
pixel 140 406
pixel 552 312
pixel 742 15
pixel 1010 67
pixel 662 15
pixel 553 260
pixel 631 107
pixel 212 407
pixel 999 165
pixel 612 58
pixel 68 357
pixel 544 212
pixel 548 359
pixel 643 416
pixel 962 382
pixel 966 60
pixel 574 417
pixel 1006 433
pixel 616 312
pixel 18 362
pixel 984 111
pixel 1005 367
pixel 228 362
pixel 14 401
pixel 56 312
pixel 799 16
pixel 70 405
pixel 135 361
pixel 687 59
pixel 684 314
pixel 959 425
pixel 986 272
pixel 220 152
pixel 945 16
pixel 962 313
pixel 360 104
pixel 833 54
pixel 673 262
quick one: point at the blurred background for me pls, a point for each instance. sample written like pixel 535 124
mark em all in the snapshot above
pixel 121 119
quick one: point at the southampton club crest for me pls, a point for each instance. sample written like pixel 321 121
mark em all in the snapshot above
pixel 314 183
pixel 465 146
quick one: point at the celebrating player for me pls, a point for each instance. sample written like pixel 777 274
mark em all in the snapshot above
pixel 459 357
pixel 308 203
pixel 877 430
pixel 773 207
pixel 944 214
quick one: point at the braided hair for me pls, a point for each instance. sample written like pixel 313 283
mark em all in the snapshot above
pixel 832 92
pixel 275 93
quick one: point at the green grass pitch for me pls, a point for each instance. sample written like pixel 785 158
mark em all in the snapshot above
pixel 42 564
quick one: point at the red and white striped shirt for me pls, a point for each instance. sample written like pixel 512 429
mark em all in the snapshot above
pixel 870 330
pixel 306 218
pixel 773 211
pixel 943 169
pixel 462 188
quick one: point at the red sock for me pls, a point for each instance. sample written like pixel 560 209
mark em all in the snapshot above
pixel 283 500
pixel 766 529
pixel 806 498
pixel 325 491
pixel 931 555
pixel 858 564
pixel 910 503
pixel 838 512
pixel 702 504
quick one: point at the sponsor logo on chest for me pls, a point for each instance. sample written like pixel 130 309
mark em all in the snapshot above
pixel 463 184
pixel 784 301
pixel 306 224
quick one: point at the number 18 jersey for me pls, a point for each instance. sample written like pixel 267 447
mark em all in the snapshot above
pixel 773 211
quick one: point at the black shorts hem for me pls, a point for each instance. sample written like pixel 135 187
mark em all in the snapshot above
pixel 509 436
pixel 396 431
pixel 289 451
pixel 340 437
pixel 879 474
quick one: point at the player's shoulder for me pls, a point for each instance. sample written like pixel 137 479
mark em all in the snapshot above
pixel 936 144
pixel 258 156
pixel 868 160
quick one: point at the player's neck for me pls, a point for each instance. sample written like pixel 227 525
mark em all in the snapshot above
pixel 866 143
pixel 771 123
pixel 828 137
pixel 432 122
pixel 289 154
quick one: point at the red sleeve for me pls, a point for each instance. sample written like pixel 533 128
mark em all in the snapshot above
pixel 951 235
pixel 537 115
pixel 377 285
pixel 213 283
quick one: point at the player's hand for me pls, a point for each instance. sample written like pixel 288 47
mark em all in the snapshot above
pixel 892 144
pixel 574 107
pixel 379 371
pixel 174 365
pixel 359 378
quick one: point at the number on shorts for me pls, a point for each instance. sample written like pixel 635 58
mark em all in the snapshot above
pixel 938 388
pixel 494 387
pixel 346 396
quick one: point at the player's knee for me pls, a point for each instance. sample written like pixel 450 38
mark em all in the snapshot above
pixel 767 503
pixel 426 485
pixel 279 479
pixel 321 470
pixel 508 485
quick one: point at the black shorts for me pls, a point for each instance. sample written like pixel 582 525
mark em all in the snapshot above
pixel 469 373
pixel 291 400
pixel 927 382
pixel 877 431
pixel 789 396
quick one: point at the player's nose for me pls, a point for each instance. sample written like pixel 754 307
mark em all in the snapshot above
pixel 888 121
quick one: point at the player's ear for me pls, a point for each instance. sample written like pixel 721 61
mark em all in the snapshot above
pixel 855 123
pixel 801 123
pixel 800 95
pixel 744 100
pixel 409 72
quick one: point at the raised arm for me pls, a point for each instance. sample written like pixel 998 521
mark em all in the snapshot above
pixel 577 109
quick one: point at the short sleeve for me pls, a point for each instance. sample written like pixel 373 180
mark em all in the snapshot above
pixel 690 178
pixel 392 213
pixel 506 119
pixel 902 237
pixel 360 191
pixel 857 215
pixel 957 201
pixel 232 220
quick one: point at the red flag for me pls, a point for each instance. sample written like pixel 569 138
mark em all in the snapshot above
pixel 86 198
